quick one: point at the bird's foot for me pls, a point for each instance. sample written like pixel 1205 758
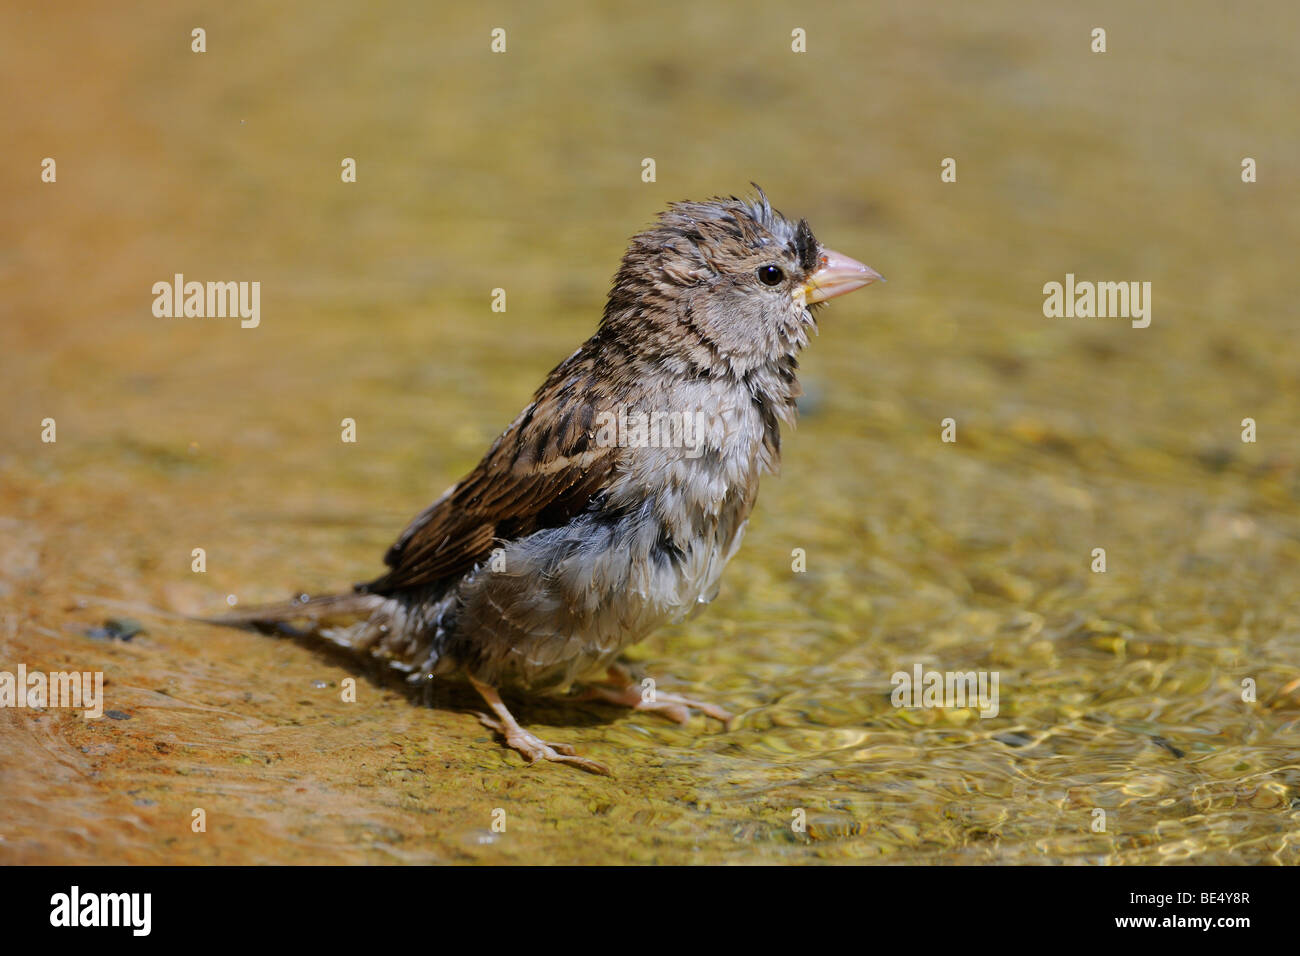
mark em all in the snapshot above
pixel 673 706
pixel 703 706
pixel 534 748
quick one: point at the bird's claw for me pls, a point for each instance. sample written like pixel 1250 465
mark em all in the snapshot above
pixel 533 748
pixel 673 706
pixel 704 707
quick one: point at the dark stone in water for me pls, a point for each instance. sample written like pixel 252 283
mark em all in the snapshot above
pixel 117 629
pixel 1161 742
pixel 1014 740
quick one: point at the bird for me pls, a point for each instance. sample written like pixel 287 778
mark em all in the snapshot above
pixel 609 507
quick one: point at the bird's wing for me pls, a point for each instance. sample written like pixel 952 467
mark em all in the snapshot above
pixel 540 473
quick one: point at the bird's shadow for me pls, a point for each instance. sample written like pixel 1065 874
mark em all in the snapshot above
pixel 448 694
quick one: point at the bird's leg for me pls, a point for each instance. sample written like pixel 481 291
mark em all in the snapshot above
pixel 530 745
pixel 621 688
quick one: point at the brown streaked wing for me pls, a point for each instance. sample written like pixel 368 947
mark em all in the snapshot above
pixel 539 474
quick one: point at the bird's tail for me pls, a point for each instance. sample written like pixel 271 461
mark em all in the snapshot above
pixel 366 624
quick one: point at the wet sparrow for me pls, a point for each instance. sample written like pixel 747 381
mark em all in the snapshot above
pixel 610 506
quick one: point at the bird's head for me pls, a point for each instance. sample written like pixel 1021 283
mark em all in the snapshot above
pixel 731 276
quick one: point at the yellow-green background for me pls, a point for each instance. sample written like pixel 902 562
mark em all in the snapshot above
pixel 522 171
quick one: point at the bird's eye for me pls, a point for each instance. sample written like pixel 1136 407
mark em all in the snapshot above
pixel 770 275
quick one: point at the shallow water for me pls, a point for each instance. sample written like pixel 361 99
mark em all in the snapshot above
pixel 1119 692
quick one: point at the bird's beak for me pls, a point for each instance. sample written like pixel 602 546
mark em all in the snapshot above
pixel 837 274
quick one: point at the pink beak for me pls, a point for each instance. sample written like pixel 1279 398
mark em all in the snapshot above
pixel 837 274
